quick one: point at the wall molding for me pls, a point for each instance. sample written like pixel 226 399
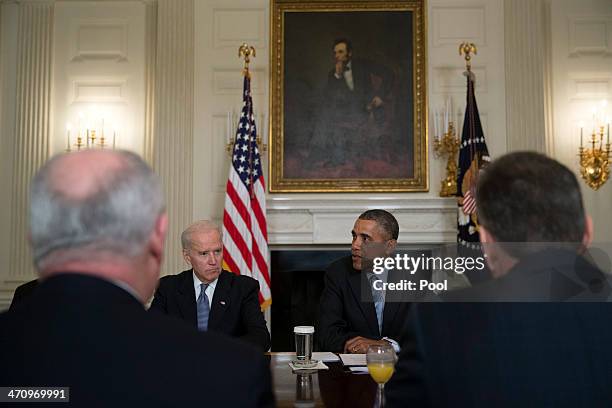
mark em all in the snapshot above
pixel 173 132
pixel 579 25
pixel 475 17
pixel 229 81
pixel 585 86
pixel 33 124
pixel 230 32
pixel 98 89
pixel 526 50
pixel 99 28
pixel 448 79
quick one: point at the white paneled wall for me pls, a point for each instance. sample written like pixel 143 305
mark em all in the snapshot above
pixel 33 121
pixel 581 34
pixel 8 80
pixel 479 22
pixel 174 154
pixel 527 60
pixel 223 27
pixel 99 70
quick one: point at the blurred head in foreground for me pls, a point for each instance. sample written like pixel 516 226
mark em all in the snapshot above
pixel 100 213
pixel 526 202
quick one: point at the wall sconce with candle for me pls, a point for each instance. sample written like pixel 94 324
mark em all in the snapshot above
pixel 446 146
pixel 89 127
pixel 595 159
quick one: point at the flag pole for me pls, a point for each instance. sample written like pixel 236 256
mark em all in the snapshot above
pixel 467 49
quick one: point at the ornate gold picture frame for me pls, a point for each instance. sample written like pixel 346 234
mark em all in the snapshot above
pixel 348 96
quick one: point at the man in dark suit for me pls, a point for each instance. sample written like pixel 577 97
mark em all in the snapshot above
pixel 350 319
pixel 23 292
pixel 538 334
pixel 356 107
pixel 228 304
pixel 97 228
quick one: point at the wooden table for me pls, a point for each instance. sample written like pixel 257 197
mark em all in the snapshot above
pixel 336 387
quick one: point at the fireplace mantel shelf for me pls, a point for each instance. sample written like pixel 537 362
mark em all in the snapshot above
pixel 313 219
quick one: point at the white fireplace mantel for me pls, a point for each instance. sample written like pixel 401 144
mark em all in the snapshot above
pixel 308 220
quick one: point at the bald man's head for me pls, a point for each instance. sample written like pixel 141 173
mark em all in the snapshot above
pixel 82 175
pixel 90 203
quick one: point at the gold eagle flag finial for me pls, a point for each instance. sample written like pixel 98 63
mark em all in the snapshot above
pixel 246 51
pixel 468 49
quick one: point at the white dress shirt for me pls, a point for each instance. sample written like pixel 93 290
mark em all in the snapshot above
pixel 348 76
pixel 210 290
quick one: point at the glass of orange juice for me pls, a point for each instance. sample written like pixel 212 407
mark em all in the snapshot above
pixel 381 364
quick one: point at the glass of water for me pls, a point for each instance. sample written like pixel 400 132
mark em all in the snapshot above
pixel 303 346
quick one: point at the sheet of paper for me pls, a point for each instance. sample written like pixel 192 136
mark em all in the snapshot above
pixel 359 370
pixel 353 359
pixel 325 356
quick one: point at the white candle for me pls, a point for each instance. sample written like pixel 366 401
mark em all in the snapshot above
pixel 228 136
pixel 68 126
pixel 87 137
pixel 80 129
pixel 445 124
pixel 114 136
pixel 433 123
pixel 451 114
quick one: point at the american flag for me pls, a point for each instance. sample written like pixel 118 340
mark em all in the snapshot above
pixel 245 236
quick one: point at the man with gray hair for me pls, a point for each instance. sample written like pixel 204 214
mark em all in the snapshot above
pixel 209 298
pixel 97 229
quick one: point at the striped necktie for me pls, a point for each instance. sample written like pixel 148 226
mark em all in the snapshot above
pixel 203 308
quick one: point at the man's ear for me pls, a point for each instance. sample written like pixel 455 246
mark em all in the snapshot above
pixel 390 246
pixel 485 236
pixel 186 257
pixel 587 237
pixel 158 236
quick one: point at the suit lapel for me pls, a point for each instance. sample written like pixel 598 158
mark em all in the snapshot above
pixel 220 300
pixel 186 299
pixel 356 280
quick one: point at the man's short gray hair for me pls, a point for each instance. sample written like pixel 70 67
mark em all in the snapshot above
pixel 201 225
pixel 116 217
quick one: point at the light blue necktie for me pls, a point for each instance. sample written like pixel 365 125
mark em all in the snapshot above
pixel 203 308
pixel 379 300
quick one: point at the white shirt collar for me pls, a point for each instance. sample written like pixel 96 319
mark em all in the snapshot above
pixel 197 282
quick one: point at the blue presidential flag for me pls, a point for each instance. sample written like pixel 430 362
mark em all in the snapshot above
pixel 473 157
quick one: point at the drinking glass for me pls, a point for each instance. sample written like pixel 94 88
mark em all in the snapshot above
pixel 303 346
pixel 381 364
